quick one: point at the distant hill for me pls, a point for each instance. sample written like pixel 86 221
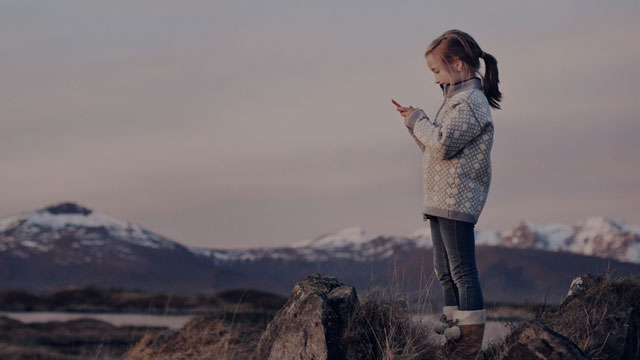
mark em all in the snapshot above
pixel 89 299
pixel 69 244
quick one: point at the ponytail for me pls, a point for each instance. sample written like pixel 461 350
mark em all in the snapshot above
pixel 490 80
pixel 456 44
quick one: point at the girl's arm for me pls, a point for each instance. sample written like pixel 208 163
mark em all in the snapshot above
pixel 404 111
pixel 449 137
pixel 416 139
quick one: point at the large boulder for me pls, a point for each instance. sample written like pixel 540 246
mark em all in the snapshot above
pixel 312 322
pixel 598 319
pixel 601 315
pixel 534 341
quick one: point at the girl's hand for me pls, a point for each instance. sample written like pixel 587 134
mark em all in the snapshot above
pixel 404 111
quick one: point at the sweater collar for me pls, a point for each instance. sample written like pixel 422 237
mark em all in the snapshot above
pixel 472 83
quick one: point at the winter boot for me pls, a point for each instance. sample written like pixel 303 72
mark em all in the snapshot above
pixel 445 319
pixel 465 341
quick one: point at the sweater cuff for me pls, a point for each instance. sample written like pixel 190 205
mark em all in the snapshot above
pixel 415 115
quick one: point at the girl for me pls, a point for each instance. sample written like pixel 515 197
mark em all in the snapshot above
pixel 456 168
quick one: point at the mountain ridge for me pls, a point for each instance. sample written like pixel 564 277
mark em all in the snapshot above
pixel 69 244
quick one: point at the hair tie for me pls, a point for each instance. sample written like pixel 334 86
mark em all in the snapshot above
pixel 482 55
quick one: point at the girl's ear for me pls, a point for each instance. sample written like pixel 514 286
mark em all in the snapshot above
pixel 459 65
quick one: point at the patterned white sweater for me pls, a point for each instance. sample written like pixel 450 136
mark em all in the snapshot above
pixel 456 164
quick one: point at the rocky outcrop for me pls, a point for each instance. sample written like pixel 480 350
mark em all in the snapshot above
pixel 601 315
pixel 312 322
pixel 534 341
pixel 324 320
pixel 599 319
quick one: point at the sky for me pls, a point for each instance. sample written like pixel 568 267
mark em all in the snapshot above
pixel 234 124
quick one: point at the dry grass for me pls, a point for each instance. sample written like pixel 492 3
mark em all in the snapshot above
pixel 383 328
pixel 589 319
pixel 203 337
pixel 226 335
pixel 380 328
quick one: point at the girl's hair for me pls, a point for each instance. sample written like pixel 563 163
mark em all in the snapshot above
pixel 456 44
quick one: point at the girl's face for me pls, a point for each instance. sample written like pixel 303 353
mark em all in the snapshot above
pixel 442 72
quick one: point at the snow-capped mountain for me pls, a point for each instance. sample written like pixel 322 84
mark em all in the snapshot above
pixel 67 244
pixel 353 244
pixel 595 236
pixel 91 236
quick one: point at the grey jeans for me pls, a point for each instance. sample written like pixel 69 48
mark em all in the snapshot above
pixel 454 262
